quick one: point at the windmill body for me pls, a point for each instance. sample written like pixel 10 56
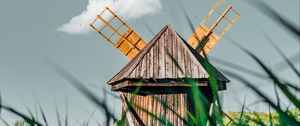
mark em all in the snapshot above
pixel 157 78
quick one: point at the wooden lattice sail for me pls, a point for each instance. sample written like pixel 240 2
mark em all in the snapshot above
pixel 118 33
pixel 221 17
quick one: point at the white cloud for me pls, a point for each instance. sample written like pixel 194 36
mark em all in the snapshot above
pixel 128 9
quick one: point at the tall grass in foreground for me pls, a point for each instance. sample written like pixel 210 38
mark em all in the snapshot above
pixel 206 114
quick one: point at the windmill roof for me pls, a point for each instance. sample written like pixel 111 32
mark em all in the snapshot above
pixel 166 56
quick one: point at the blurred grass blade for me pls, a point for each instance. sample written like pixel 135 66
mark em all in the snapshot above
pixel 5 123
pixel 276 94
pixel 275 16
pixel 28 119
pixel 282 65
pixel 164 121
pixel 201 113
pixel 191 117
pixel 0 104
pixel 292 86
pixel 185 14
pixel 212 80
pixel 250 72
pixel 30 113
pixel 148 27
pixel 58 117
pixel 27 108
pixel 282 55
pixel 43 116
pixel 41 111
pixel 239 68
pixel 122 121
pixel 131 109
pixel 258 122
pixel 66 116
pixel 79 86
pixel 273 77
pixel 285 118
pixel 270 117
pixel 174 60
pixel 240 122
pixel 165 104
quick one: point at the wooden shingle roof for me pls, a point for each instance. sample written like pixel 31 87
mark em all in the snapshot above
pixel 166 56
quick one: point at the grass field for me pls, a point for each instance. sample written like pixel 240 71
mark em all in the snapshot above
pixel 278 116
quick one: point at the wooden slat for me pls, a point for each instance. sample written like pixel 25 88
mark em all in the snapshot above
pixel 187 63
pixel 135 102
pixel 150 108
pixel 143 64
pixel 155 61
pixel 151 59
pixel 180 122
pixel 155 112
pixel 175 109
pixel 147 74
pixel 163 111
pixel 194 67
pixel 167 111
pixel 168 60
pixel 139 70
pixel 132 74
pixel 182 104
pixel 180 74
pixel 159 108
pixel 161 57
pixel 172 107
pixel 175 55
pixel 144 114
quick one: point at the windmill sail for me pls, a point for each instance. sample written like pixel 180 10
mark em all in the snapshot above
pixel 221 17
pixel 118 33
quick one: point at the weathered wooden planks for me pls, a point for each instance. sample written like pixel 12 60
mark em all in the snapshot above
pixel 155 104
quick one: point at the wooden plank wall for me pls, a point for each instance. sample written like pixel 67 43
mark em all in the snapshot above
pixel 154 105
pixel 179 103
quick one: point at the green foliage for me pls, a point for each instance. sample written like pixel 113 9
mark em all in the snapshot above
pixel 19 123
pixel 264 117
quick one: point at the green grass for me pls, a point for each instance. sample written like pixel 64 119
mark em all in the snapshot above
pixel 279 116
pixel 266 118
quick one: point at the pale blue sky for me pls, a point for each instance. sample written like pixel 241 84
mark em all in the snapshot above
pixel 28 32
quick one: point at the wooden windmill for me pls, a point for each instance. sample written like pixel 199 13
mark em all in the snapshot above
pixel 160 68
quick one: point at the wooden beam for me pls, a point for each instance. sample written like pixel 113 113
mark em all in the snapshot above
pixel 138 84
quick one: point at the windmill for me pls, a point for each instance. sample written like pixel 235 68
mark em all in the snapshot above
pixel 156 64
